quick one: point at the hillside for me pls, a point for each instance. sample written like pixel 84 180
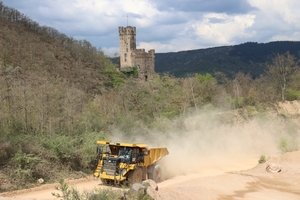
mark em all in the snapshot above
pixel 42 52
pixel 249 58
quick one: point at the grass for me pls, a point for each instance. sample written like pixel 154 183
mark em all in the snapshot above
pixel 66 192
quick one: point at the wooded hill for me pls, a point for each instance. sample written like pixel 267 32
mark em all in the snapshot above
pixel 248 58
pixel 41 51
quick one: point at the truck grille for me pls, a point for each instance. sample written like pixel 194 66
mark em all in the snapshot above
pixel 109 166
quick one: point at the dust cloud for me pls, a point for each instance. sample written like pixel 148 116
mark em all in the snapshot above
pixel 214 142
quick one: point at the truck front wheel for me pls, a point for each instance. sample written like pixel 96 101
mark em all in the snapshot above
pixel 135 176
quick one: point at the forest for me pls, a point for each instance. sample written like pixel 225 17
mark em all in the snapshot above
pixel 248 58
pixel 59 95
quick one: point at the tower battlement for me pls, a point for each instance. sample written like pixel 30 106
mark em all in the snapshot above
pixel 130 56
pixel 142 52
pixel 127 30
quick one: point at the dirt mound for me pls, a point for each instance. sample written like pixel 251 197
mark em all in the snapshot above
pixel 289 107
pixel 289 163
pixel 280 173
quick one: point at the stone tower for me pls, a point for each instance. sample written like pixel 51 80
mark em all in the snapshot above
pixel 127 46
pixel 131 57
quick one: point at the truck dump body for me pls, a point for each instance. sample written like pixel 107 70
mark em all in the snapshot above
pixel 155 154
pixel 125 161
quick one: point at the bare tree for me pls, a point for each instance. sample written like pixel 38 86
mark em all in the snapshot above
pixel 281 71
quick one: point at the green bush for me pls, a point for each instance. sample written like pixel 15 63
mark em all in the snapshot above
pixel 6 151
pixel 67 192
pixel 88 148
pixel 236 102
pixel 24 165
pixel 283 146
pixel 292 94
pixel 70 193
pixel 262 159
pixel 65 148
pixel 25 161
pixel 251 111
pixel 117 79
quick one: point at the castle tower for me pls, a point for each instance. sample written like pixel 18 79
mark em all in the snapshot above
pixel 131 57
pixel 127 46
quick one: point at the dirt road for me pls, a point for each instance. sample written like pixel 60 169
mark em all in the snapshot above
pixel 239 180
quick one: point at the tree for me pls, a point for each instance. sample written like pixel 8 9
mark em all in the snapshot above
pixel 281 71
pixel 207 87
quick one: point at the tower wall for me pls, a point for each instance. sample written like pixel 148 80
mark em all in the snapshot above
pixel 144 62
pixel 127 46
pixel 130 56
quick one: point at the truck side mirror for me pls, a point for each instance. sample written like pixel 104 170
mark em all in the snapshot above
pixel 146 153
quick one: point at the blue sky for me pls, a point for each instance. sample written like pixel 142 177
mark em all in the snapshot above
pixel 168 25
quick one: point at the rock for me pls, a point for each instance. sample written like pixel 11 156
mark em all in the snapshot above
pixel 139 190
pixel 136 191
pixel 150 183
pixel 153 193
pixel 273 168
pixel 152 189
pixel 40 181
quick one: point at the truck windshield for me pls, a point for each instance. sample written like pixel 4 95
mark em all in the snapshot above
pixel 123 153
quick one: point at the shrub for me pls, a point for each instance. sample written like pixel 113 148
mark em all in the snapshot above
pixel 262 159
pixel 6 151
pixel 67 192
pixel 88 148
pixel 66 149
pixel 283 146
pixel 292 94
pixel 70 193
pixel 24 165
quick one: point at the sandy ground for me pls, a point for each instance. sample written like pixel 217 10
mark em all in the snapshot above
pixel 241 180
pixel 255 183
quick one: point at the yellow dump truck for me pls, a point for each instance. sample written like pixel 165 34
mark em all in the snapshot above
pixel 119 162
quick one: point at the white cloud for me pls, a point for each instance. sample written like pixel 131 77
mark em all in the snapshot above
pixel 225 30
pixel 119 9
pixel 168 25
pixel 111 51
pixel 285 10
pixel 177 44
pixel 155 45
pixel 294 37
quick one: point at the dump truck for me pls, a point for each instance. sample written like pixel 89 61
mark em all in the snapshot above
pixel 128 162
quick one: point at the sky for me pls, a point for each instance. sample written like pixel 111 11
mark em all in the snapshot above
pixel 168 25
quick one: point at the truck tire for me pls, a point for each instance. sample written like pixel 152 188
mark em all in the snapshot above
pixel 155 173
pixel 135 176
pixel 104 181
